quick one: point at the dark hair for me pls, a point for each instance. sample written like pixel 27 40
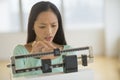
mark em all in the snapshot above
pixel 35 11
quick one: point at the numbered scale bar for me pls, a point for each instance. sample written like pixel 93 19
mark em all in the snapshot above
pixel 56 52
pixel 37 68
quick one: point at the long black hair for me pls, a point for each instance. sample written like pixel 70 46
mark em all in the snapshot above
pixel 35 11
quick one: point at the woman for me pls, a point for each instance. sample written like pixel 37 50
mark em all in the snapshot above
pixel 45 33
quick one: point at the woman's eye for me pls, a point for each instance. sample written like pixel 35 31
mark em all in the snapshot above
pixel 41 26
pixel 53 25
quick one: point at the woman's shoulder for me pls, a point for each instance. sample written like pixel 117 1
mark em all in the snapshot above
pixel 67 47
pixel 19 50
pixel 19 46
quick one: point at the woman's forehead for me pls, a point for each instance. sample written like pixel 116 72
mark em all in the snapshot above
pixel 47 17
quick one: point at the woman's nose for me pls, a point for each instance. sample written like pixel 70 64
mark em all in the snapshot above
pixel 49 30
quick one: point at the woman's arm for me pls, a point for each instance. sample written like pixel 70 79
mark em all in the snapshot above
pixel 25 62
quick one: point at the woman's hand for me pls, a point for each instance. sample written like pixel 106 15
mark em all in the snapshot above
pixel 43 46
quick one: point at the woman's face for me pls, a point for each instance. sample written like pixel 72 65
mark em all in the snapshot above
pixel 46 26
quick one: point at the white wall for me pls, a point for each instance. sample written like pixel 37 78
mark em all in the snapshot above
pixel 87 37
pixel 80 38
pixel 112 27
pixel 8 41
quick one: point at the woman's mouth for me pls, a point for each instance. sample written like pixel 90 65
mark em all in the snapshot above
pixel 48 38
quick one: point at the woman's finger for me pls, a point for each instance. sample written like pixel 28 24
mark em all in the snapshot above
pixel 34 42
pixel 41 43
pixel 49 44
